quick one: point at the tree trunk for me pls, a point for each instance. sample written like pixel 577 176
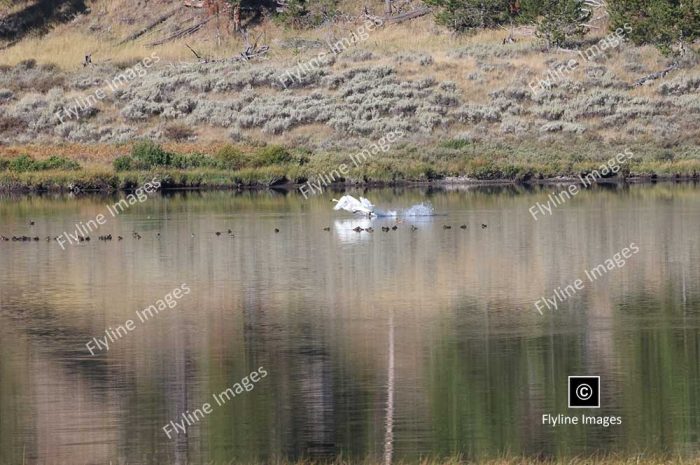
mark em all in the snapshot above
pixel 237 17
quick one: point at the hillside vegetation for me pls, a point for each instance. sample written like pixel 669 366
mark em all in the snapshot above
pixel 469 104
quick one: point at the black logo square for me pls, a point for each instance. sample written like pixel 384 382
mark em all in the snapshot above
pixel 584 391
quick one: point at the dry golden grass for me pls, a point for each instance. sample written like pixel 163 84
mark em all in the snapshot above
pixel 100 153
pixel 8 7
pixel 101 32
pixel 65 47
pixel 109 22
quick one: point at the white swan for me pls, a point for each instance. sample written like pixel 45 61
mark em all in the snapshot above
pixel 351 204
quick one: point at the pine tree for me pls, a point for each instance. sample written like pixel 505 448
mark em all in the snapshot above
pixel 563 19
pixel 558 19
pixel 659 22
pixel 462 15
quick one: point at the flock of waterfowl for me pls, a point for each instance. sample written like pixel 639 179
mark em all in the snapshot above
pixel 359 229
pixel 108 237
pixel 136 235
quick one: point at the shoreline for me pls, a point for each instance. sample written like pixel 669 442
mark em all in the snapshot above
pixel 244 167
pixel 462 181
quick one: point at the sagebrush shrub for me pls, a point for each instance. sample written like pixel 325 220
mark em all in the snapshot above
pixel 6 95
pixel 11 124
pixel 178 132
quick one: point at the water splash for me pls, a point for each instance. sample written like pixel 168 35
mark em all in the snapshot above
pixel 419 209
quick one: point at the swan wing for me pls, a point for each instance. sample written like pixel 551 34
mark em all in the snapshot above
pixel 366 204
pixel 347 202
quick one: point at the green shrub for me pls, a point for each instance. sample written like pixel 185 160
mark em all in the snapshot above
pixel 57 163
pixel 230 157
pixel 193 160
pixel 25 163
pixel 272 155
pixel 151 154
pixel 123 163
pixel 22 164
pixel 4 164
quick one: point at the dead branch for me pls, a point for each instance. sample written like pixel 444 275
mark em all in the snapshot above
pixel 251 51
pixel 192 50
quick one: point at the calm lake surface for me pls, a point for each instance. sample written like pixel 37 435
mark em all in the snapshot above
pixel 389 345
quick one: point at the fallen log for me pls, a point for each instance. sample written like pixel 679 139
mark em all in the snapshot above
pixel 182 33
pixel 656 75
pixel 407 16
pixel 150 26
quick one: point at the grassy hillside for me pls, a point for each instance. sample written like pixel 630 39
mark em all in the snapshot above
pixel 464 103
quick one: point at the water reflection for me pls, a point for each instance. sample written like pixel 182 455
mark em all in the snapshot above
pixel 390 345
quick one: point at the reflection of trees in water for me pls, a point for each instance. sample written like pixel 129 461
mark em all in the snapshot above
pixel 489 386
pixel 15 426
pixel 389 422
pixel 45 377
pixel 316 400
pixel 658 337
pixel 76 394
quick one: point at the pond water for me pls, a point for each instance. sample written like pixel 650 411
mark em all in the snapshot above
pixel 420 341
